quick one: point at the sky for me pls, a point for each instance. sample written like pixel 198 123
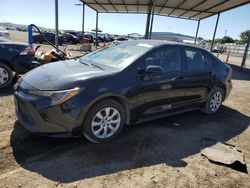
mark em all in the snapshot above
pixel 41 13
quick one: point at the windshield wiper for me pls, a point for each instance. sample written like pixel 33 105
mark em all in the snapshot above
pixel 85 63
pixel 97 66
pixel 92 64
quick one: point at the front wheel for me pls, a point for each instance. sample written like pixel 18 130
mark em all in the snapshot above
pixel 104 121
pixel 6 76
pixel 214 101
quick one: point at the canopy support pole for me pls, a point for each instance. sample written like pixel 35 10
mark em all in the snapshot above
pixel 56 23
pixel 215 29
pixel 152 20
pixel 96 30
pixel 197 31
pixel 245 53
pixel 83 19
pixel 147 24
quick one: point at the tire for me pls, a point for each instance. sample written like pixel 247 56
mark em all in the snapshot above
pixel 214 101
pixel 6 76
pixel 94 127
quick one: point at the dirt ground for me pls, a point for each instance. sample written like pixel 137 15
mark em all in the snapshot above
pixel 162 153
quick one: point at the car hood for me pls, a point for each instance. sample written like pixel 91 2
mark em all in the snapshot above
pixel 62 75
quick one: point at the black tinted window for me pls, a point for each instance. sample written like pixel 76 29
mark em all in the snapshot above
pixel 195 59
pixel 169 58
pixel 209 60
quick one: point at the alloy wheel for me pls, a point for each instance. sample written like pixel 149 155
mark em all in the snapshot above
pixel 4 76
pixel 106 122
pixel 216 101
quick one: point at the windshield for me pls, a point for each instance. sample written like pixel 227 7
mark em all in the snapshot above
pixel 117 56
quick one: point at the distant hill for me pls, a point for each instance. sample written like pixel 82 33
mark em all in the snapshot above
pixel 21 27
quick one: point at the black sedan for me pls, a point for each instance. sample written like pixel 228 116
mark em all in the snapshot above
pixel 38 38
pixel 15 57
pixel 71 39
pixel 127 83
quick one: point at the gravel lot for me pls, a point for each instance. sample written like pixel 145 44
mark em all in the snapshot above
pixel 162 153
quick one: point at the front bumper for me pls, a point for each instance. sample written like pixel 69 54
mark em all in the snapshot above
pixel 35 115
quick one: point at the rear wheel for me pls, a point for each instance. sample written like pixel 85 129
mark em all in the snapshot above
pixel 104 121
pixel 214 101
pixel 6 76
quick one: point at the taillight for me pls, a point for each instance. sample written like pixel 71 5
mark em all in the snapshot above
pixel 29 50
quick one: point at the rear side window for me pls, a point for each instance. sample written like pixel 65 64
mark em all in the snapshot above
pixel 195 59
pixel 209 60
pixel 168 57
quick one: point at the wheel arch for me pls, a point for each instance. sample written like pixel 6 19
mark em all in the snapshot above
pixel 118 98
pixel 8 64
pixel 223 87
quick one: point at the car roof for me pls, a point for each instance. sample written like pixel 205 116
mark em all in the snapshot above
pixel 158 43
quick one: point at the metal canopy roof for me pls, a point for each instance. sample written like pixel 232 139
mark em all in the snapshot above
pixel 188 9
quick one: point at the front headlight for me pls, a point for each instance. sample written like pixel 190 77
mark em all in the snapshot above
pixel 57 97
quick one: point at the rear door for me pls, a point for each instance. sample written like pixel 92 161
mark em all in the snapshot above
pixel 199 74
pixel 161 93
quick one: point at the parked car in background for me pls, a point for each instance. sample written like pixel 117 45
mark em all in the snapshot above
pixel 4 32
pixel 121 39
pixel 88 38
pixel 101 39
pixel 4 38
pixel 127 83
pixel 15 57
pixel 75 33
pixel 109 39
pixel 38 38
pixel 71 39
pixel 4 35
pixel 219 49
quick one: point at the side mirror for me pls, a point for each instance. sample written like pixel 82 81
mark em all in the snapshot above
pixel 154 70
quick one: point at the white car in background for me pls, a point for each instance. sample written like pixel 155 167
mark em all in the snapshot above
pixel 4 35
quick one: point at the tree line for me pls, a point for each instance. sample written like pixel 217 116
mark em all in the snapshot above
pixel 226 39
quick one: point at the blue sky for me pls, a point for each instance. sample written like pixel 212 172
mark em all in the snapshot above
pixel 70 17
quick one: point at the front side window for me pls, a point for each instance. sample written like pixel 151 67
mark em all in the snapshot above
pixel 195 59
pixel 169 58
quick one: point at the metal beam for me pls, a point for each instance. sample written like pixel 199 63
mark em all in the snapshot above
pixel 101 5
pixel 171 7
pixel 137 6
pixel 197 31
pixel 113 6
pixel 242 4
pixel 245 53
pixel 96 29
pixel 183 18
pixel 144 4
pixel 123 2
pixel 165 3
pixel 213 6
pixel 192 8
pixel 215 29
pixel 56 23
pixel 178 6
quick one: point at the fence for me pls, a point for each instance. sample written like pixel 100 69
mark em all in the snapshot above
pixel 235 49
